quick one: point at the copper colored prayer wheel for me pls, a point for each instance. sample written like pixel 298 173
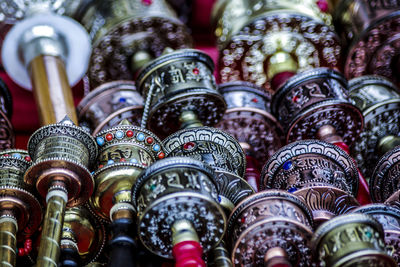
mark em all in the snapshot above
pixel 385 181
pixel 270 228
pixel 370 29
pixel 266 42
pixel 180 92
pixel 389 217
pixel 310 163
pixel 248 118
pixel 326 202
pixel 177 201
pixel 315 105
pixel 379 100
pixel 128 33
pixel 109 104
pixel 351 240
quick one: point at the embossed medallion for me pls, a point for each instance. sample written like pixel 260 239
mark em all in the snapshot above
pixel 310 163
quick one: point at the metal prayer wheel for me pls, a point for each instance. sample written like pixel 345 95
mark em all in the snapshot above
pixel 128 33
pixel 20 211
pixel 83 236
pixel 177 203
pixel 7 138
pixel 248 118
pixel 351 240
pixel 180 87
pixel 310 163
pixel 389 218
pixel 266 42
pixel 219 150
pixel 124 151
pixel 270 228
pixel 109 104
pixel 61 154
pixel 315 105
pixel 379 101
pixel 46 52
pixel 384 181
pixel 370 29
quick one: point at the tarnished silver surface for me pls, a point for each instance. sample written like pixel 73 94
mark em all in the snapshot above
pixel 379 101
pixel 315 98
pixel 310 163
pixel 177 188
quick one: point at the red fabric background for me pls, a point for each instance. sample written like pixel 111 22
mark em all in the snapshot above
pixel 25 117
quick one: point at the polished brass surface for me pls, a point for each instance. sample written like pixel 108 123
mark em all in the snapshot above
pixel 49 250
pixel 270 219
pixel 219 256
pixel 124 151
pixel 183 230
pixel 189 119
pixel 51 89
pixel 179 83
pixel 276 257
pixel 86 231
pixel 8 240
pixel 351 240
pixel 176 189
pixel 129 32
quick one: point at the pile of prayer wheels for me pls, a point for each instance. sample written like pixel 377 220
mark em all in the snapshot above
pixel 289 158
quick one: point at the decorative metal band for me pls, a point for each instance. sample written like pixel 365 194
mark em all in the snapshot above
pixel 357 235
pixel 219 144
pixel 109 104
pixel 122 28
pixel 385 179
pixel 380 103
pixel 277 219
pixel 77 143
pixel 7 137
pixel 309 43
pixel 326 202
pixel 128 143
pixel 231 17
pixel 310 162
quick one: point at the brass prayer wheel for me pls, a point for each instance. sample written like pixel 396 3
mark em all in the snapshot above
pixel 83 233
pixel 7 138
pixel 177 200
pixel 61 154
pixel 389 218
pixel 128 33
pixel 384 181
pixel 266 42
pixel 351 240
pixel 20 211
pixel 180 87
pixel 271 227
pixel 124 151
pixel 249 120
pixel 45 52
pixel 109 104
pixel 370 29
pixel 315 105
pixel 310 163
pixel 379 101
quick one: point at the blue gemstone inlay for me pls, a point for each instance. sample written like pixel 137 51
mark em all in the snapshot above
pixel 119 134
pixel 292 190
pixel 219 199
pixel 110 161
pixel 156 147
pixel 140 137
pixel 133 161
pixel 100 141
pixel 17 155
pixel 122 100
pixel 288 165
